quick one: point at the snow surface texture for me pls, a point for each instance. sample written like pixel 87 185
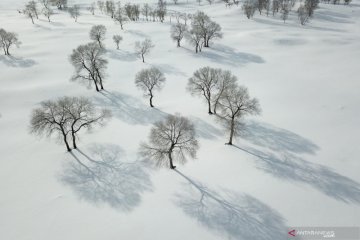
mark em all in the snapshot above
pixel 295 165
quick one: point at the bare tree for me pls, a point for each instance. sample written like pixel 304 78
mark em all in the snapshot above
pixel 171 140
pixel 161 10
pixel 175 1
pixel 226 80
pixel 89 64
pixel 92 8
pixel 310 6
pixel 149 80
pixel 285 10
pixel 7 39
pixel 29 12
pixel 66 117
pixel 143 48
pixel 145 11
pixel 202 24
pixel 120 17
pixel 83 115
pixel 236 103
pixel 203 83
pixel 47 11
pixel 249 8
pixel 196 39
pixel 110 8
pixel 178 31
pixel 51 118
pixel 74 12
pixel 60 4
pixel 97 33
pixel 101 6
pixel 117 39
pixel 303 15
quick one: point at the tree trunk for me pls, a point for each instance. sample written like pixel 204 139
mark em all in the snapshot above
pixel 231 130
pixel 7 50
pixel 151 98
pixel 74 140
pixel 171 160
pixel 143 59
pixel 65 140
pixel 209 106
pixel 96 86
pixel 178 43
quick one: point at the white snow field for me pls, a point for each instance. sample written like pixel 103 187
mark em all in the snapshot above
pixel 297 164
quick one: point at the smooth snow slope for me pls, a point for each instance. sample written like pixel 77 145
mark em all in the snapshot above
pixel 296 165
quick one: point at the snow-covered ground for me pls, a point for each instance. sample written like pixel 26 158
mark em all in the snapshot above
pixel 296 165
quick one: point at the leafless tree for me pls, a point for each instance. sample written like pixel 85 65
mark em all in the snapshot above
pixel 145 11
pixel 310 6
pixel 83 115
pixel 29 12
pixel 275 6
pixel 120 17
pixel 60 4
pixel 161 10
pixel 175 1
pixel 196 39
pixel 178 31
pixel 92 8
pixel 110 8
pixel 171 140
pixel 74 12
pixel 101 6
pixel 285 10
pixel 66 117
pixel 303 15
pixel 249 8
pixel 143 48
pixel 46 10
pixel 203 25
pixel 235 103
pixel 8 39
pixel 149 80
pixel 89 64
pixel 203 83
pixel 97 33
pixel 117 39
pixel 225 81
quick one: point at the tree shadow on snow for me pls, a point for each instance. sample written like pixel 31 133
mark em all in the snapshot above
pixel 100 177
pixel 122 55
pixel 230 214
pixel 17 62
pixel 133 111
pixel 293 168
pixel 277 139
pixel 129 109
pixel 229 56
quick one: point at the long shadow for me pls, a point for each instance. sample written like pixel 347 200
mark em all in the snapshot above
pixel 128 108
pixel 230 214
pixel 293 168
pixel 122 55
pixel 227 55
pixel 266 135
pixel 133 111
pixel 12 61
pixel 101 178
pixel 169 69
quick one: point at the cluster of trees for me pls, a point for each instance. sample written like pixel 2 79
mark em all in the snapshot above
pixel 305 11
pixel 202 31
pixel 32 10
pixel 88 60
pixel 345 2
pixel 66 117
pixel 221 91
pixel 8 39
